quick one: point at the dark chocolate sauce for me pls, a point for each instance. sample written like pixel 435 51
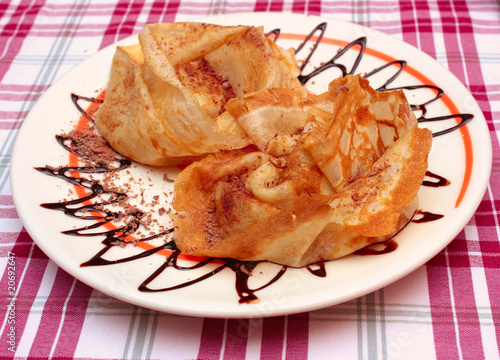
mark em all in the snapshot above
pixel 373 249
pixel 332 63
pixel 242 270
pixel 439 180
pixel 426 216
pixel 274 34
pixel 401 64
pixel 75 98
pixel 317 269
pixel 91 207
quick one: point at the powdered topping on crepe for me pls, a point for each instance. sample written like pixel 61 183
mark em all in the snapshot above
pixel 333 171
pixel 285 208
pixel 166 97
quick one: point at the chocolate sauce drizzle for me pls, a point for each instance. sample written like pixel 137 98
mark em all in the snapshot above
pixel 242 270
pixel 332 63
pixel 373 249
pixel 92 207
pixel 75 98
pixel 439 180
pixel 426 216
pixel 400 64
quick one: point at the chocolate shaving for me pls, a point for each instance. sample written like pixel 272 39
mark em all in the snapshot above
pixel 166 178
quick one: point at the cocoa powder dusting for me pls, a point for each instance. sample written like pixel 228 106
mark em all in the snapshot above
pixel 212 229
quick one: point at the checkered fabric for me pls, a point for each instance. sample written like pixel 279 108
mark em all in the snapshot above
pixel 447 309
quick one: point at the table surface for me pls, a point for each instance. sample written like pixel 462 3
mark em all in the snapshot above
pixel 443 310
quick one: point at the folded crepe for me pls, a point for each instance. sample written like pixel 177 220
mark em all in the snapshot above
pixel 286 209
pixel 365 123
pixel 166 96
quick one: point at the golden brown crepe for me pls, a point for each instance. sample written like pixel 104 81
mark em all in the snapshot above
pixel 272 118
pixel 166 97
pixel 228 221
pixel 365 123
pixel 286 209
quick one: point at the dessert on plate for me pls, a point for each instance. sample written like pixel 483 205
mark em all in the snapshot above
pixel 166 96
pixel 342 180
pixel 274 173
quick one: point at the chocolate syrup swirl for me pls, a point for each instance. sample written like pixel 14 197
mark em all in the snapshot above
pixel 439 180
pixel 317 269
pixel 75 98
pixel 332 63
pixel 401 64
pixel 96 207
pixel 373 249
pixel 242 270
pixel 426 216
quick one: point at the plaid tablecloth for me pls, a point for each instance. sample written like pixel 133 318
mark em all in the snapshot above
pixel 447 309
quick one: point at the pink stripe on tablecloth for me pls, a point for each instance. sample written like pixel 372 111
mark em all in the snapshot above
pixel 451 39
pixel 297 336
pixel 443 325
pixel 299 6
pixel 28 289
pixel 490 248
pixel 73 321
pixel 235 346
pixel 425 29
pixel 19 97
pixel 273 337
pixel 478 89
pixel 492 97
pixel 172 8
pixel 52 315
pixel 468 326
pixel 156 11
pixel 23 88
pixel 13 114
pixel 408 23
pixel 261 5
pixel 459 39
pixel 276 5
pixel 166 12
pixel 55 29
pixel 6 241
pixel 17 29
pixel 314 7
pixel 468 44
pixel 212 336
pixel 127 27
pixel 467 317
pixel 62 9
pixel 6 200
pixel 115 30
pixel 96 31
pixel 3 8
pixel 79 30
pixel 10 125
pixel 8 213
pixel 492 281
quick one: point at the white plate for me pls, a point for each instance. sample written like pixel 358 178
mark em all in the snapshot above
pixel 462 156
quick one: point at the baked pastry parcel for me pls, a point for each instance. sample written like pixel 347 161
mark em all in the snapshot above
pixel 331 173
pixel 166 96
pixel 342 174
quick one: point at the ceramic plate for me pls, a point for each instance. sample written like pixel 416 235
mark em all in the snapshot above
pixel 460 158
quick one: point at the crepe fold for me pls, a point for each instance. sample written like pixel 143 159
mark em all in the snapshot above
pixel 166 96
pixel 285 208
